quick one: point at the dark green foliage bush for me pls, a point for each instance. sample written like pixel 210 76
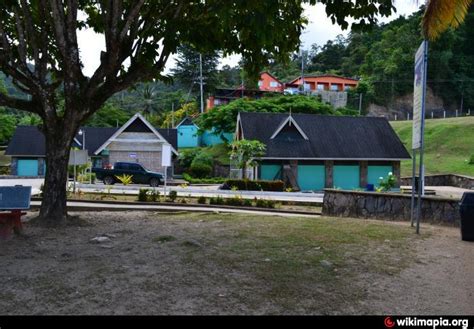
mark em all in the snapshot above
pixel 254 185
pixel 200 170
pixel 186 157
pixel 202 200
pixel 212 180
pixel 234 201
pixel 471 160
pixel 143 195
pixel 173 195
pixel 217 200
pixel 247 203
pixel 154 196
pixel 261 203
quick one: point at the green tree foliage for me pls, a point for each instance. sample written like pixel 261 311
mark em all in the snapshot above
pixel 108 116
pixel 7 128
pixel 223 118
pixel 174 118
pixel 326 58
pixel 186 71
pixel 244 153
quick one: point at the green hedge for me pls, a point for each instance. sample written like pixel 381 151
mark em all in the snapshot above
pixel 254 185
pixel 213 180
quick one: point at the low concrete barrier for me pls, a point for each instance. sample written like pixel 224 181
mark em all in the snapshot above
pixel 444 180
pixel 388 206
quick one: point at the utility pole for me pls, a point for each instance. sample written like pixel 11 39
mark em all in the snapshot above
pixel 360 104
pixel 172 115
pixel 302 69
pixel 200 83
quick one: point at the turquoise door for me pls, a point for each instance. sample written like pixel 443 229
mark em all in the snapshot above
pixel 270 172
pixel 375 172
pixel 311 177
pixel 27 167
pixel 346 177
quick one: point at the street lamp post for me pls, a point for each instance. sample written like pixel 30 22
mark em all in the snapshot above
pixel 82 133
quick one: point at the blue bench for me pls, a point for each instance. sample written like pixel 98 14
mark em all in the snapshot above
pixel 13 199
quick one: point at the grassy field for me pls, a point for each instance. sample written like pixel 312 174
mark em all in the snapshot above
pixel 449 144
pixel 191 263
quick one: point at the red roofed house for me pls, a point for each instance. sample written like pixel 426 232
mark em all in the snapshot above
pixel 268 82
pixel 324 82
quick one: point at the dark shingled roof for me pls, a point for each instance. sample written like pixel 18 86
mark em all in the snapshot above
pixel 329 137
pixel 29 140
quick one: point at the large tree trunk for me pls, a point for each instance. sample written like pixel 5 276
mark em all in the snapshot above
pixel 53 210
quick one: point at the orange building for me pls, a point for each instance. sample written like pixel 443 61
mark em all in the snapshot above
pixel 324 82
pixel 268 82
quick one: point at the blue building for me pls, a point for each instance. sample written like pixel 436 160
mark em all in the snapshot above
pixel 189 136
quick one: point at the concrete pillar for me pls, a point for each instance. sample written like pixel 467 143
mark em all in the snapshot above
pixel 14 167
pixel 41 166
pixel 364 168
pixel 329 165
pixel 396 172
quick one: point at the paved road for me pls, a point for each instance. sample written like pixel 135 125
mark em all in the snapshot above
pixel 209 191
pixel 108 207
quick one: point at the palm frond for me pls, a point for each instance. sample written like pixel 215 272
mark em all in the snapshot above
pixel 443 14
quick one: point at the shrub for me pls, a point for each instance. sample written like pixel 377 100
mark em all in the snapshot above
pixel 203 158
pixel 212 180
pixel 86 178
pixel 261 203
pixel 186 157
pixel 173 195
pixel 200 170
pixel 247 203
pixel 143 195
pixel 217 200
pixel 125 179
pixel 154 195
pixel 202 200
pixel 471 159
pixel 254 185
pixel 234 201
pixel 388 183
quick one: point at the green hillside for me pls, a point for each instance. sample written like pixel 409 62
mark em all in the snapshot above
pixel 449 145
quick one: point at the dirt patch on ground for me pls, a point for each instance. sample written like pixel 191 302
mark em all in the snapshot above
pixel 195 263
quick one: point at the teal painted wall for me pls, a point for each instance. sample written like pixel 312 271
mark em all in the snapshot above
pixel 270 172
pixel 346 177
pixel 375 172
pixel 311 177
pixel 209 138
pixel 188 136
pixel 27 167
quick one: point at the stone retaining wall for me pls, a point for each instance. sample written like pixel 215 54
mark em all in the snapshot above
pixel 388 206
pixel 444 180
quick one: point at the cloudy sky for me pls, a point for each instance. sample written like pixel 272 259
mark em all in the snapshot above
pixel 319 30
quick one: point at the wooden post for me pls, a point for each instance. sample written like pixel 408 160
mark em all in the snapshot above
pixel 364 168
pixel 328 165
pixel 396 172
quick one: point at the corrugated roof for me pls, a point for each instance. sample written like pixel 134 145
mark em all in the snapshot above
pixel 330 137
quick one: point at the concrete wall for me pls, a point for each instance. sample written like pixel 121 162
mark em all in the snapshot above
pixel 145 149
pixel 388 206
pixel 444 180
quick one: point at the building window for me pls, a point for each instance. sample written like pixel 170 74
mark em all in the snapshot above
pixel 260 83
pixel 274 84
pixel 320 86
pixel 307 86
pixel 334 87
pixel 347 88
